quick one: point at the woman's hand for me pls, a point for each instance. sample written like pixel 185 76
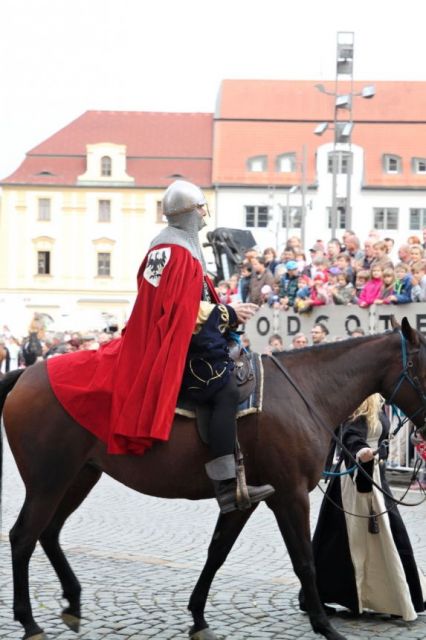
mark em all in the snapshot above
pixel 365 455
pixel 244 310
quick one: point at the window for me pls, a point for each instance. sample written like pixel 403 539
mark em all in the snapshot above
pixel 257 163
pixel 294 217
pixel 392 164
pixel 340 217
pixel 343 161
pixel 43 263
pixel 419 165
pixel 106 166
pixel 286 163
pixel 257 216
pixel 104 264
pixel 104 211
pixel 417 219
pixel 386 218
pixel 44 209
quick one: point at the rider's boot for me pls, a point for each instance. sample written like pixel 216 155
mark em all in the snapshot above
pixel 222 472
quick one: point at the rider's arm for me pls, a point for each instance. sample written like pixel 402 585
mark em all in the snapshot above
pixel 227 316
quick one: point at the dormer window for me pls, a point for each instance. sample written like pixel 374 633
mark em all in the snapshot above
pixel 392 164
pixel 286 163
pixel 257 163
pixel 419 165
pixel 106 166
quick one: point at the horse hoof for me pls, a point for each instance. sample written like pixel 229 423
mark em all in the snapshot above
pixel 71 621
pixel 204 634
pixel 37 636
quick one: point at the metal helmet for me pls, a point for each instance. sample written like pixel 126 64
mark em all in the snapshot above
pixel 182 197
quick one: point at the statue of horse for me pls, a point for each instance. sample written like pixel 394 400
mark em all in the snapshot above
pixel 286 445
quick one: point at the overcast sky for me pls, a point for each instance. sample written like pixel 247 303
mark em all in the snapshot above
pixel 60 58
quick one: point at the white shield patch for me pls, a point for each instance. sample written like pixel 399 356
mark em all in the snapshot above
pixel 156 262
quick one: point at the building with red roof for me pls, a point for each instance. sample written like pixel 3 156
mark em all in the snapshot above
pixel 80 211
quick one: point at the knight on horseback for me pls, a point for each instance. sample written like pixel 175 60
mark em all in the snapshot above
pixel 207 368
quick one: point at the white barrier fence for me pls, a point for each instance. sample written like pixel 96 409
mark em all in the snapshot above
pixel 340 321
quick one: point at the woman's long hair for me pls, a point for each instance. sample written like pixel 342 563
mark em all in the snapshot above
pixel 370 408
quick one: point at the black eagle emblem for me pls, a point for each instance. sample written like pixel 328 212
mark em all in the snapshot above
pixel 156 262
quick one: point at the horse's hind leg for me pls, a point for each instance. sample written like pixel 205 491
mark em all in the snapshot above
pixel 227 530
pixel 34 516
pixel 49 540
pixel 293 520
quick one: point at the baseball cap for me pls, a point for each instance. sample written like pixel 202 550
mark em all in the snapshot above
pixel 291 264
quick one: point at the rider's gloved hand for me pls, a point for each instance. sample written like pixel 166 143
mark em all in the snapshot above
pixel 244 310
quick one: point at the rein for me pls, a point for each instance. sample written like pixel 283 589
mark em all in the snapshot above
pixel 407 365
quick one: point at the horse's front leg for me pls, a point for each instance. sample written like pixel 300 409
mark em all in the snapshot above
pixel 227 530
pixel 293 520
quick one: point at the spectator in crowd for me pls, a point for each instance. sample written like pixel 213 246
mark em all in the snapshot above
pixel 260 276
pixel 368 257
pixel 418 282
pixel 301 260
pixel 274 297
pixel 286 255
pixel 224 292
pixel 317 296
pixel 402 287
pixel 299 341
pixel 319 333
pixel 271 261
pixel 424 238
pixel 413 240
pixel 343 292
pixel 390 245
pixel 404 253
pixel 365 562
pixel 381 256
pixel 416 253
pixel 373 287
pixel 361 279
pixel 289 284
pixel 333 250
pixel 233 283
pixel 275 344
pixel 295 243
pixel 244 281
pixel 388 286
pixel 352 247
pixel 357 333
pixel 343 262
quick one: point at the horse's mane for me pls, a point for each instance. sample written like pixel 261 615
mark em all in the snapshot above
pixel 328 346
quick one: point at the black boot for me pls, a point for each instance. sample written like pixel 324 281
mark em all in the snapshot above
pixel 223 474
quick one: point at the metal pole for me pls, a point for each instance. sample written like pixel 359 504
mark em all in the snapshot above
pixel 303 189
pixel 334 195
pixel 287 216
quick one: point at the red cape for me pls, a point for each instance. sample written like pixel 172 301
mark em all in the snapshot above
pixel 125 393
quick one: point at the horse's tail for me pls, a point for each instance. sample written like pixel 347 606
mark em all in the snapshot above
pixel 7 382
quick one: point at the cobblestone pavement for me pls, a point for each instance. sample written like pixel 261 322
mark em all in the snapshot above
pixel 138 559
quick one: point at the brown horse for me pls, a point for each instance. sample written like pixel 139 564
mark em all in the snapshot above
pixel 286 445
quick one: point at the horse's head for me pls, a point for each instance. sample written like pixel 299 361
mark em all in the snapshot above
pixel 408 390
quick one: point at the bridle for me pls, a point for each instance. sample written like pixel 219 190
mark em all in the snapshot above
pixel 409 374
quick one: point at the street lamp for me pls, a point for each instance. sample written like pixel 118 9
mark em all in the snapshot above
pixel 342 127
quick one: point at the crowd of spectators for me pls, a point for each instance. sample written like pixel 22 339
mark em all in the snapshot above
pixel 14 350
pixel 341 272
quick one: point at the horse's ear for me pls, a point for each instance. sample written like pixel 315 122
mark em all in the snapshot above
pixel 394 322
pixel 409 333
